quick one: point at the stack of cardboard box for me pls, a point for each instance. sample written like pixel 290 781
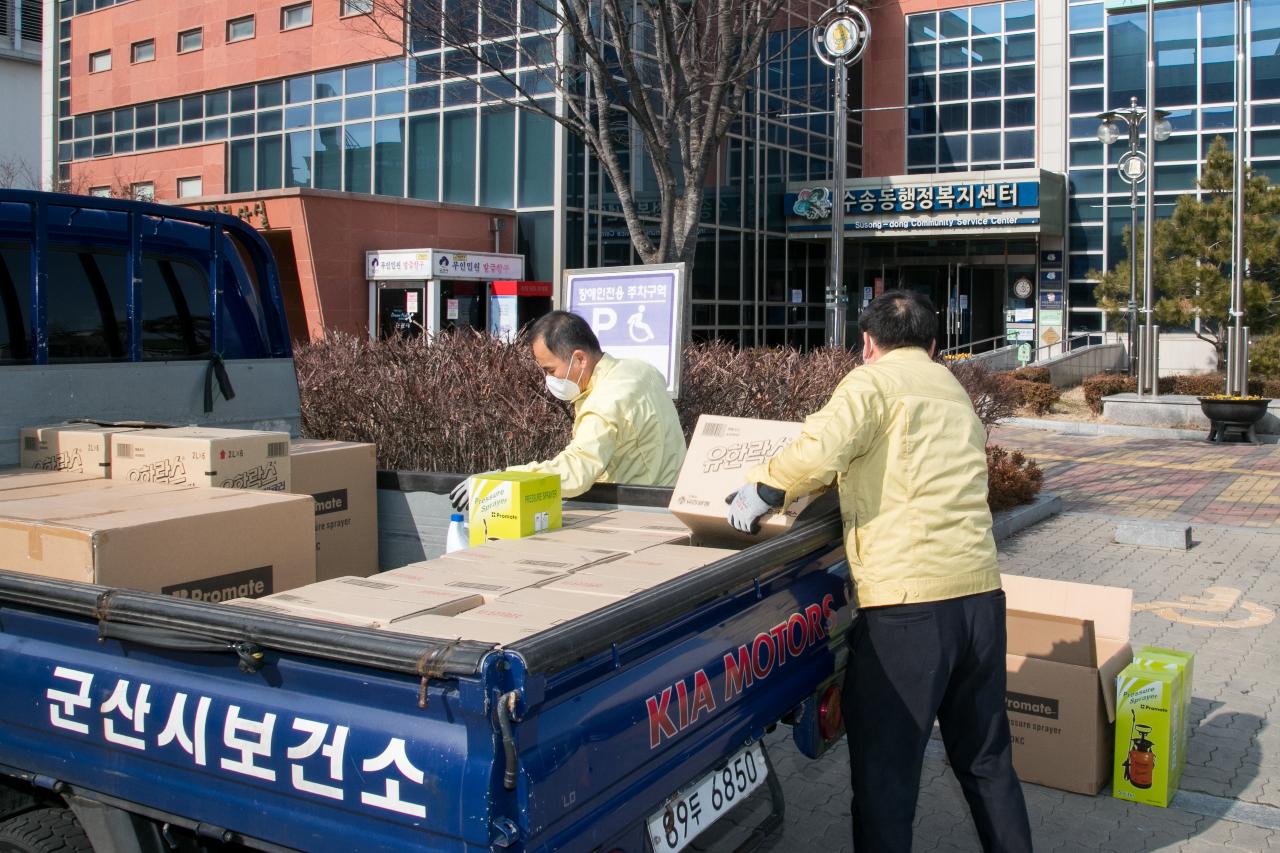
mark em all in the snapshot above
pixel 196 512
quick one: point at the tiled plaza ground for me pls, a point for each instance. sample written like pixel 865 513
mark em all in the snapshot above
pixel 1230 796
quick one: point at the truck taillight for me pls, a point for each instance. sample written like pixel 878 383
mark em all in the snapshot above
pixel 830 715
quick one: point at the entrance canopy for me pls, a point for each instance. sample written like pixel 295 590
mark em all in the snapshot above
pixel 956 204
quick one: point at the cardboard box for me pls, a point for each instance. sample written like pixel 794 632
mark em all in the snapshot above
pixel 660 563
pixel 201 544
pixel 22 478
pixel 204 456
pixel 580 517
pixel 569 603
pixel 378 600
pixel 1149 721
pixel 536 552
pixel 276 608
pixel 504 611
pixel 597 539
pixel 75 489
pixel 636 521
pixel 513 504
pixel 602 585
pixel 342 478
pixel 79 448
pixel 489 582
pixel 455 628
pixel 1160 659
pixel 1066 644
pixel 721 452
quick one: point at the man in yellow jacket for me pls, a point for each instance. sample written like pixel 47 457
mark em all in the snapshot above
pixel 625 427
pixel 908 452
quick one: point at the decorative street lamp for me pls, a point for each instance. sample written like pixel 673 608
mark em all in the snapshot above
pixel 1133 167
pixel 839 39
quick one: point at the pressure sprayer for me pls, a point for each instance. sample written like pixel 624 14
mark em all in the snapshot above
pixel 1141 764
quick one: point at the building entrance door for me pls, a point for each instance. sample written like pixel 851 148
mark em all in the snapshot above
pixel 969 300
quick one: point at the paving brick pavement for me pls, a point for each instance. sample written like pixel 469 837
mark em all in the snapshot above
pixel 1230 797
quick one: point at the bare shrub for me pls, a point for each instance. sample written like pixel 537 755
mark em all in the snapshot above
pixel 1012 479
pixel 460 403
pixel 995 396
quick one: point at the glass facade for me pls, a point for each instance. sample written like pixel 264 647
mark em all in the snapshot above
pixel 1195 81
pixel 419 129
pixel 971 88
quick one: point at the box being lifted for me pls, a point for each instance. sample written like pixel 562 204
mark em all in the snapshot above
pixel 77 448
pixel 721 453
pixel 204 456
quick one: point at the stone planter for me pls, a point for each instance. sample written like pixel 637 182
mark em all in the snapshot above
pixel 1238 415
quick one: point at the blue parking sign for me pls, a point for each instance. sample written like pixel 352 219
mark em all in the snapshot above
pixel 636 312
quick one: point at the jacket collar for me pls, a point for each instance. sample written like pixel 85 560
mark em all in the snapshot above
pixel 905 354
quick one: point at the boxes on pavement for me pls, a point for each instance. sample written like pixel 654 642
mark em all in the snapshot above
pixel 1066 644
pixel 204 456
pixel 201 544
pixel 720 454
pixel 342 478
pixel 377 601
pixel 78 448
pixel 1149 720
pixel 513 504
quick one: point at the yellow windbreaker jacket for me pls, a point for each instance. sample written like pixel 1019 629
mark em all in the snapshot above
pixel 625 430
pixel 909 454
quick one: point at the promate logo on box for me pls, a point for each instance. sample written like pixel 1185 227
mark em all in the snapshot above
pixel 335 501
pixel 1035 706
pixel 250 583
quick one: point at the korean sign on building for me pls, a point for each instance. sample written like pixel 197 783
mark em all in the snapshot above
pixel 636 312
pixel 390 264
pixel 1023 201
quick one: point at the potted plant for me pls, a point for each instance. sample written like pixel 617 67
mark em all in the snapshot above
pixel 1233 412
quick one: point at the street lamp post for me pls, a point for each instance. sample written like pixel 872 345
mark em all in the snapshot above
pixel 839 40
pixel 1133 169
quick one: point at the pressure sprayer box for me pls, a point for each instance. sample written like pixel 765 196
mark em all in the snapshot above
pixel 1149 721
pixel 1066 644
pixel 1151 738
pixel 720 454
pixel 512 505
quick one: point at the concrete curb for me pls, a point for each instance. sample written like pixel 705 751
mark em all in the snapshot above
pixel 1015 520
pixel 1123 430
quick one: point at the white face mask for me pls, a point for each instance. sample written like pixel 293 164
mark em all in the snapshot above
pixel 565 389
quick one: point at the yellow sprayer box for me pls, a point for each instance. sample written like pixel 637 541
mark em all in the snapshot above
pixel 1148 735
pixel 1170 660
pixel 513 504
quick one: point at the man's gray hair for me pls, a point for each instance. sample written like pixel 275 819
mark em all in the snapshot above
pixel 563 332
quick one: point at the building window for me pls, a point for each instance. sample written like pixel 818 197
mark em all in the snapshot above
pixel 356 7
pixel 143 191
pixel 190 40
pixel 100 61
pixel 190 187
pixel 100 192
pixel 143 51
pixel 240 29
pixel 295 17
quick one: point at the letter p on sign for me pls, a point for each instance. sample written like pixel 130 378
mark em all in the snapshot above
pixel 603 319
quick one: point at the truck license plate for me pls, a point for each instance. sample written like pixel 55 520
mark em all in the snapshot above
pixel 688 813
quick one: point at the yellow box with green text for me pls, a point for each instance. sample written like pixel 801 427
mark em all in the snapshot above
pixel 1148 755
pixel 513 504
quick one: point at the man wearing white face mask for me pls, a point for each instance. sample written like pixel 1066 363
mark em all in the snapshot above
pixel 625 427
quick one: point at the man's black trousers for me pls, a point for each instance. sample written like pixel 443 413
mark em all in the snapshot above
pixel 910 664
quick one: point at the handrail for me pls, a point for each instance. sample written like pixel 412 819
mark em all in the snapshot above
pixel 971 344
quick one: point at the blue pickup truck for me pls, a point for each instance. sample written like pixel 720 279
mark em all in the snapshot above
pixel 137 722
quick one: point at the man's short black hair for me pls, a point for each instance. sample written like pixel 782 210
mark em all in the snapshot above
pixel 563 332
pixel 900 318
